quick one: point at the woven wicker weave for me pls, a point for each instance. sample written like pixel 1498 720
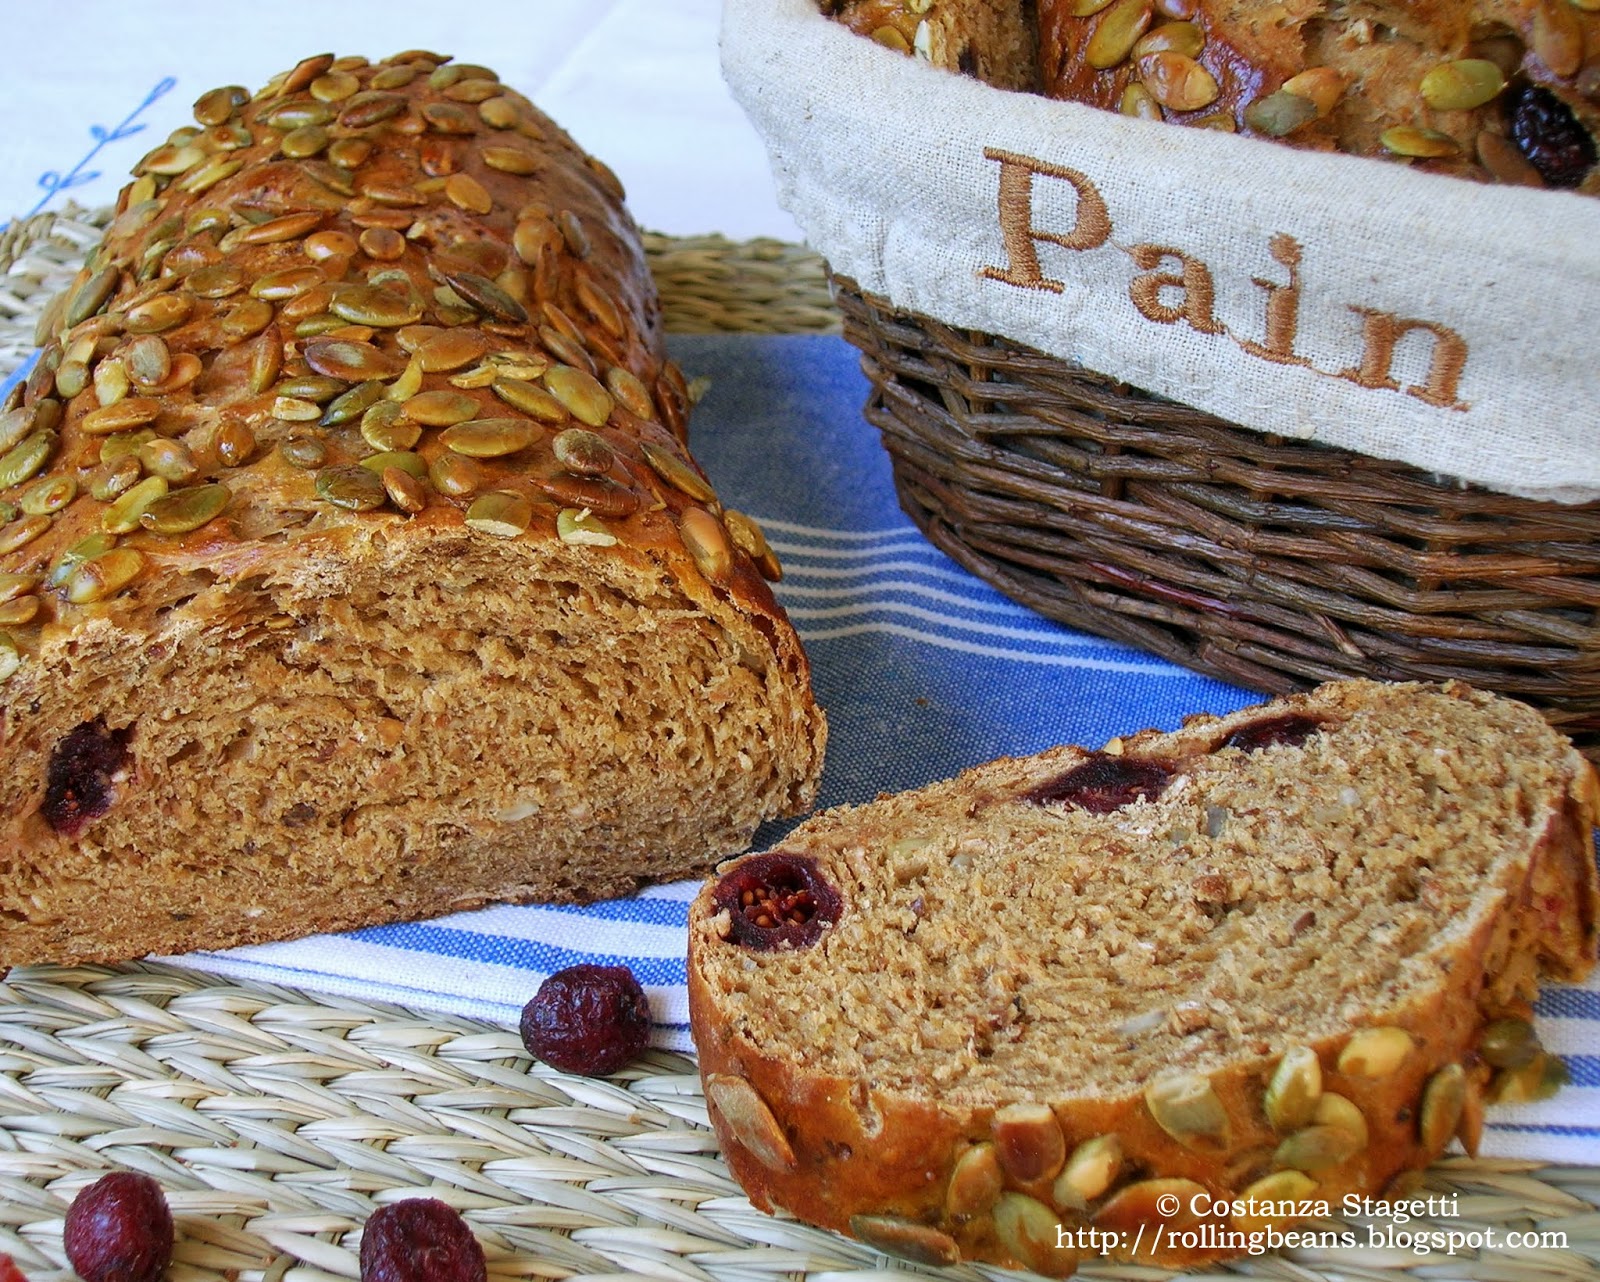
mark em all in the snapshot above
pixel 277 1121
pixel 1275 564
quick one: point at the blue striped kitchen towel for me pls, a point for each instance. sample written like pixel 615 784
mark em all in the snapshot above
pixel 923 670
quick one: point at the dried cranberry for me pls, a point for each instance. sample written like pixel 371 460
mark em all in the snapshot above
pixel 420 1240
pixel 1549 135
pixel 587 1019
pixel 78 780
pixel 1104 783
pixel 119 1229
pixel 777 900
pixel 1289 730
pixel 9 1272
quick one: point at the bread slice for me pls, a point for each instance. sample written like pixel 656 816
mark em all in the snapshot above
pixel 1252 965
pixel 353 567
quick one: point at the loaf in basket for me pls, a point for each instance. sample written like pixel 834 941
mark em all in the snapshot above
pixel 1502 90
pixel 1202 982
pixel 353 564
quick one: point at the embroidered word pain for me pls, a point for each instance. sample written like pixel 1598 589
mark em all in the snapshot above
pixel 1173 287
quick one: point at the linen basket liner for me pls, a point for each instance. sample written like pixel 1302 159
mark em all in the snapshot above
pixel 1338 299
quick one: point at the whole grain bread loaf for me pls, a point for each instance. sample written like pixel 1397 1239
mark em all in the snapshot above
pixel 1499 90
pixel 1249 966
pixel 353 566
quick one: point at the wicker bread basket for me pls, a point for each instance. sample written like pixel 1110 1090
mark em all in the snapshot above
pixel 1275 564
pixel 1272 560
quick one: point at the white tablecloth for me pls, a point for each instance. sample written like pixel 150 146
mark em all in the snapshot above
pixel 634 81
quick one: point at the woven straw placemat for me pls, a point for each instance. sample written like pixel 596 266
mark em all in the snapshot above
pixel 277 1121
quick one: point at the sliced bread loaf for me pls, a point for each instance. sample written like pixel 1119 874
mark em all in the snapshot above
pixel 1249 966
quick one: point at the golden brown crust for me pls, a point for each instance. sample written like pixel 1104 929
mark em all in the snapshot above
pixel 364 394
pixel 892 1167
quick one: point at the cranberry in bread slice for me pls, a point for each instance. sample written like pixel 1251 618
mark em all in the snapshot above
pixel 1148 1001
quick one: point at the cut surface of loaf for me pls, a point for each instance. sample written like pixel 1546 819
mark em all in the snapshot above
pixel 1503 91
pixel 1273 956
pixel 353 567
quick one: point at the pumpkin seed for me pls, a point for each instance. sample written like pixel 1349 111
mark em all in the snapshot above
pixel 502 514
pixel 405 491
pixel 49 495
pixel 489 437
pixel 466 192
pixel 1281 1188
pixel 1558 37
pixel 440 408
pixel 1179 37
pixel 119 446
pixel 323 245
pixel 303 452
pixel 350 153
pixel 13 586
pixel 1116 33
pixel 291 282
pixel 632 394
pixel 1461 85
pixel 455 475
pixel 408 384
pixel 1187 1108
pixel 247 318
pixel 183 511
pixel 217 106
pixel 90 296
pixel 450 349
pixel 579 526
pixel 498 113
pixel 16 424
pixel 531 400
pixel 1029 1230
pixel 103 576
pixel 169 460
pixel 83 550
pixel 485 295
pixel 1091 1169
pixel 1323 86
pixel 334 86
pixel 749 538
pixel 294 410
pixel 365 305
pixel 370 107
pixel 208 175
pixel 353 362
pixel 677 473
pixel 217 281
pixel 354 403
pixel 25 458
pixel 10 657
pixel 1296 1085
pixel 289 116
pixel 161 313
pixel 580 393
pixel 147 359
pixel 71 378
pixel 1414 140
pixel 509 160
pixel 1177 81
pixel 22 531
pixel 574 233
pixel 234 442
pixel 22 610
pixel 976 1182
pixel 406 460
pixel 1374 1052
pixel 1444 1099
pixel 122 516
pixel 186 367
pixel 383 428
pixel 583 452
pixel 393 78
pixel 601 496
pixel 170 161
pixel 905 1239
pixel 707 544
pixel 351 487
pixel 1280 114
pixel 531 237
pixel 383 243
pixel 449 118
pixel 1338 1111
pixel 1508 1043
